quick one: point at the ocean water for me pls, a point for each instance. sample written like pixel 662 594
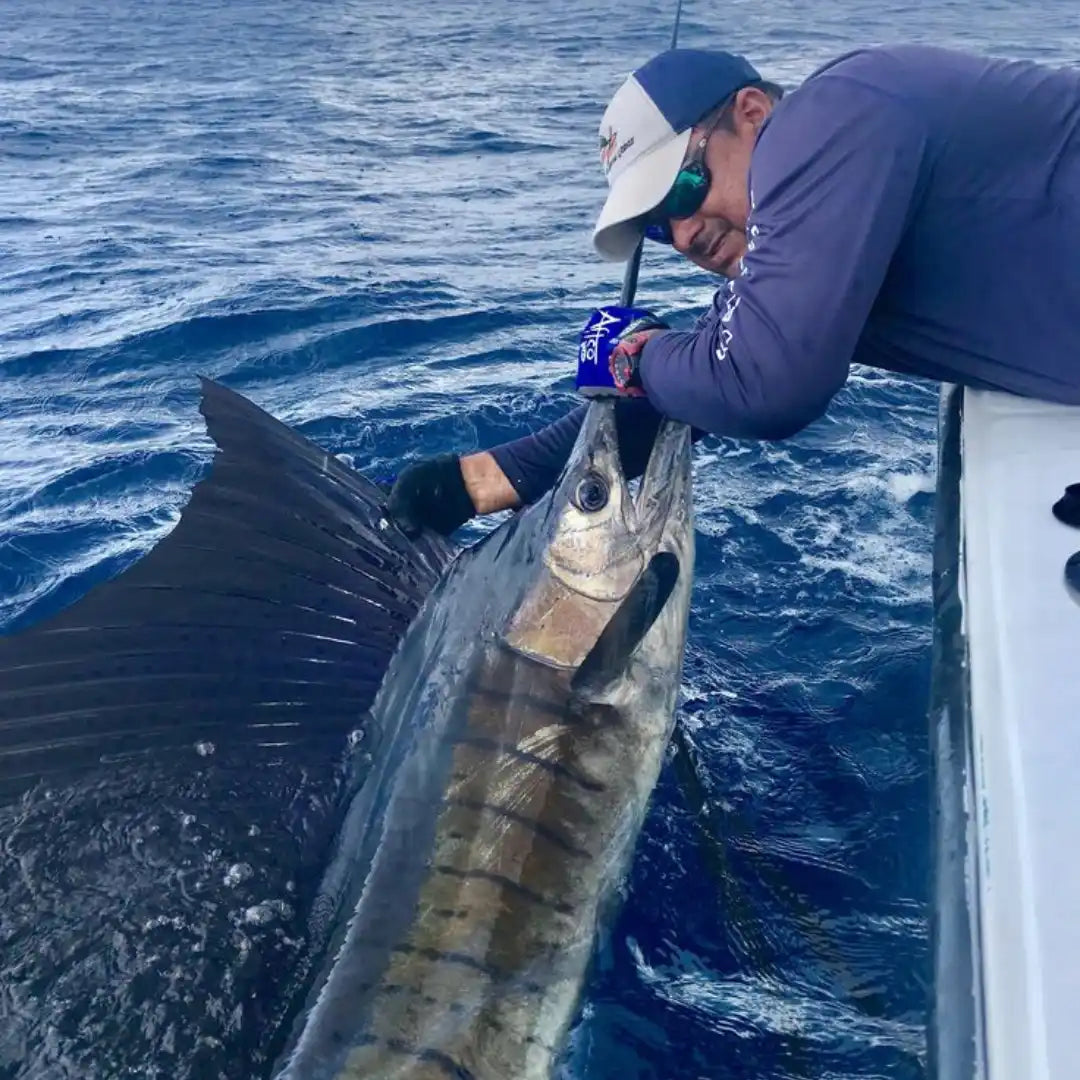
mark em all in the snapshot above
pixel 374 221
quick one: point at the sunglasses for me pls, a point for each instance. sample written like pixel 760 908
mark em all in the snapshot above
pixel 686 194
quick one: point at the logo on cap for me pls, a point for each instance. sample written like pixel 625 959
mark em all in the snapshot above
pixel 611 150
pixel 608 145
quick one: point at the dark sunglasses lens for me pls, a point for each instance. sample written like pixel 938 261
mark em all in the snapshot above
pixel 686 194
pixel 658 231
pixel 682 200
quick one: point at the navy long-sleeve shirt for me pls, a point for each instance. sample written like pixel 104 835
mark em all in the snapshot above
pixel 912 208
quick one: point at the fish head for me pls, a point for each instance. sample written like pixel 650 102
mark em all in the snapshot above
pixel 614 563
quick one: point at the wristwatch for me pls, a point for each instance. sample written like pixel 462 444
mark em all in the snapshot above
pixel 624 367
pixel 626 356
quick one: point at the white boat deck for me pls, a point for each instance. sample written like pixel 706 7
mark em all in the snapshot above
pixel 1022 631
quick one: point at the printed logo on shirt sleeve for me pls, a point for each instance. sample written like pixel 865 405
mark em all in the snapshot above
pixel 723 342
pixel 731 305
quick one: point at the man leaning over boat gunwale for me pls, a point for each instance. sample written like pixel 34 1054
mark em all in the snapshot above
pixel 907 207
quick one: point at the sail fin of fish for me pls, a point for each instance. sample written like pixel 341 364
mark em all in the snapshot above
pixel 266 618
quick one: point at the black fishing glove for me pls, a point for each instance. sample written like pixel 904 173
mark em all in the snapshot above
pixel 430 494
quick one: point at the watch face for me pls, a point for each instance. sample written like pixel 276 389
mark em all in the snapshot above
pixel 619 370
pixel 623 369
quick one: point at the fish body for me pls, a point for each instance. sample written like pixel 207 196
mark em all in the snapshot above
pixel 537 693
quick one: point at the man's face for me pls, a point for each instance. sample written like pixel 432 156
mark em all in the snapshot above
pixel 714 237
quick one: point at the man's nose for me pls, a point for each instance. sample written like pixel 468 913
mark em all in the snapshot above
pixel 684 232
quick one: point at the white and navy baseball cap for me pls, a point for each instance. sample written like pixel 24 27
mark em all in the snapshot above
pixel 646 130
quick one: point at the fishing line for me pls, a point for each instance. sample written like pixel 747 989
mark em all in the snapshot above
pixel 630 277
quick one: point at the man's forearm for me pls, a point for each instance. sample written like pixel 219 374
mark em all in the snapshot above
pixel 487 484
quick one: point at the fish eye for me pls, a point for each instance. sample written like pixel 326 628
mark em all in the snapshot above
pixel 592 493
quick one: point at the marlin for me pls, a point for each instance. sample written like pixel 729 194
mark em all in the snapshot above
pixel 497 718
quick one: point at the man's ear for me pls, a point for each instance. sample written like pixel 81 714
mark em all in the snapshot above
pixel 752 106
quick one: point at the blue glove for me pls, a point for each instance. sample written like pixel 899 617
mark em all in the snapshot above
pixel 605 369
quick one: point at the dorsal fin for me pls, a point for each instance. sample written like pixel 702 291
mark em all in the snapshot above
pixel 170 762
pixel 273 606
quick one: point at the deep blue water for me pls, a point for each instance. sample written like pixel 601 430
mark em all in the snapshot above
pixel 374 220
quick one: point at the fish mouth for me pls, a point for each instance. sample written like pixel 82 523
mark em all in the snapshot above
pixel 595 484
pixel 664 488
pixel 665 485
